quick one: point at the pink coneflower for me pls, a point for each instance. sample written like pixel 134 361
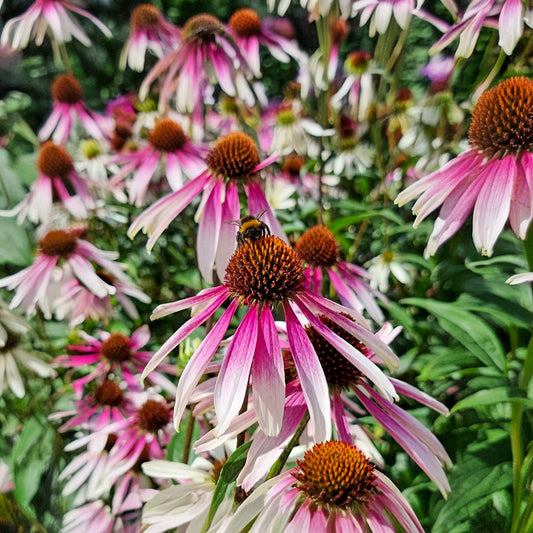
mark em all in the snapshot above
pixel 149 31
pixel 120 512
pixel 248 31
pixel 508 16
pixel 142 436
pixel 52 17
pixel 114 352
pixel 69 108
pixel 233 161
pixel 494 178
pixel 79 304
pixel 320 250
pixel 91 472
pixel 68 251
pixel 382 11
pixel 261 274
pixel 334 488
pixel 95 410
pixel 169 149
pixel 56 175
pixel 206 46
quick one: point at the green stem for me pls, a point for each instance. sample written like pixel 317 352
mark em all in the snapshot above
pixel 483 86
pixel 188 438
pixel 526 523
pixel 516 450
pixel 282 459
pixel 397 49
pixel 528 247
pixel 324 42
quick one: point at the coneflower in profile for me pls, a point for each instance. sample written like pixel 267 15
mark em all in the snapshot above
pixel 68 109
pixel 168 152
pixel 149 31
pixel 320 251
pixel 61 253
pixel 206 47
pixel 52 17
pixel 494 178
pixel 232 162
pixel 248 31
pixel 56 175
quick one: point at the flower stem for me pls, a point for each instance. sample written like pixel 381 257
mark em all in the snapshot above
pixel 528 247
pixel 282 459
pixel 188 438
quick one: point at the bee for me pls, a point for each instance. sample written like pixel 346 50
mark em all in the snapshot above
pixel 251 228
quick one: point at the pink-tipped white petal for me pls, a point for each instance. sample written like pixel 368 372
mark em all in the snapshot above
pixel 199 361
pixel 232 382
pixel 268 376
pixel 312 377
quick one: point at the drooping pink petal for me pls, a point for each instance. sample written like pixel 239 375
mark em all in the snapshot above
pixel 324 306
pixel 157 217
pixel 208 232
pixel 453 213
pixel 311 374
pixel 493 203
pixel 420 453
pixel 339 415
pixel 233 378
pixel 199 361
pixel 268 376
pixel 205 295
pixel 258 203
pixel 183 332
pixel 521 210
pixel 228 231
pixel 354 356
pixel 511 25
pixel 416 394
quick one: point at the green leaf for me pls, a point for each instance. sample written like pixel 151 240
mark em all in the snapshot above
pixel 15 247
pixel 344 222
pixel 10 187
pixel 467 328
pixel 30 470
pixel 501 311
pixel 492 396
pixel 473 484
pixel 227 477
pixel 14 101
